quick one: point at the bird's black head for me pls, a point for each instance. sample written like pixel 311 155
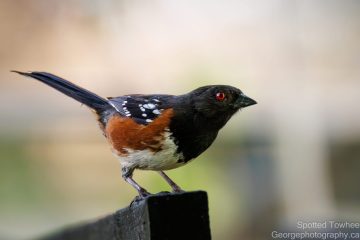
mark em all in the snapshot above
pixel 217 103
pixel 201 113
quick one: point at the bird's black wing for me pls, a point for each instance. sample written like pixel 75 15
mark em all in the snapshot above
pixel 143 109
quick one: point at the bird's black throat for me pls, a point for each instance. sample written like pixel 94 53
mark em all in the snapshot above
pixel 195 136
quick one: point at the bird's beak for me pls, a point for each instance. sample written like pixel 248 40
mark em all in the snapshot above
pixel 244 101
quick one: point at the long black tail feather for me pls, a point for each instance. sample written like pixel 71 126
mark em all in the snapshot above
pixel 80 94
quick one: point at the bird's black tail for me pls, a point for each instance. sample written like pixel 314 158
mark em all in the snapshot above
pixel 80 94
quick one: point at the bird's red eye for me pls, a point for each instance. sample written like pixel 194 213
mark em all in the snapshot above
pixel 220 96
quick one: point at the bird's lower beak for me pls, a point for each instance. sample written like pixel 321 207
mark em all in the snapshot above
pixel 244 101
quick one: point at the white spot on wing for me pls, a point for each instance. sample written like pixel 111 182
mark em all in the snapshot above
pixel 144 115
pixel 156 111
pixel 149 106
pixel 149 120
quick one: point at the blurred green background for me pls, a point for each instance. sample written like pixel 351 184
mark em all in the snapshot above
pixel 294 156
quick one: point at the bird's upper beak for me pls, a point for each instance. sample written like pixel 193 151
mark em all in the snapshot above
pixel 244 101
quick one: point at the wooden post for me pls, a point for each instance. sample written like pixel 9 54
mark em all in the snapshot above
pixel 162 216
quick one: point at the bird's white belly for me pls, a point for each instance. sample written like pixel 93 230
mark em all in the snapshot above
pixel 165 159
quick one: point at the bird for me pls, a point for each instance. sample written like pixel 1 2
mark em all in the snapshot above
pixel 156 132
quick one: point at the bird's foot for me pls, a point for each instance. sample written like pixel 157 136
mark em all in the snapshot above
pixel 177 189
pixel 143 194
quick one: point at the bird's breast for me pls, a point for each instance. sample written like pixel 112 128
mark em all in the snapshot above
pixel 165 158
pixel 149 146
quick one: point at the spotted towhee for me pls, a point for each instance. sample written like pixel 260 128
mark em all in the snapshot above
pixel 156 132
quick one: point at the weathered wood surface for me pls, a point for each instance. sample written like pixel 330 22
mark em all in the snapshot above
pixel 162 216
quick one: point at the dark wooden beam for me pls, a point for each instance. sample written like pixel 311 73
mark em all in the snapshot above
pixel 169 216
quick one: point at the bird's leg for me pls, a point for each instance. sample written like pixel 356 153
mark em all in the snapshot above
pixel 127 175
pixel 173 185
